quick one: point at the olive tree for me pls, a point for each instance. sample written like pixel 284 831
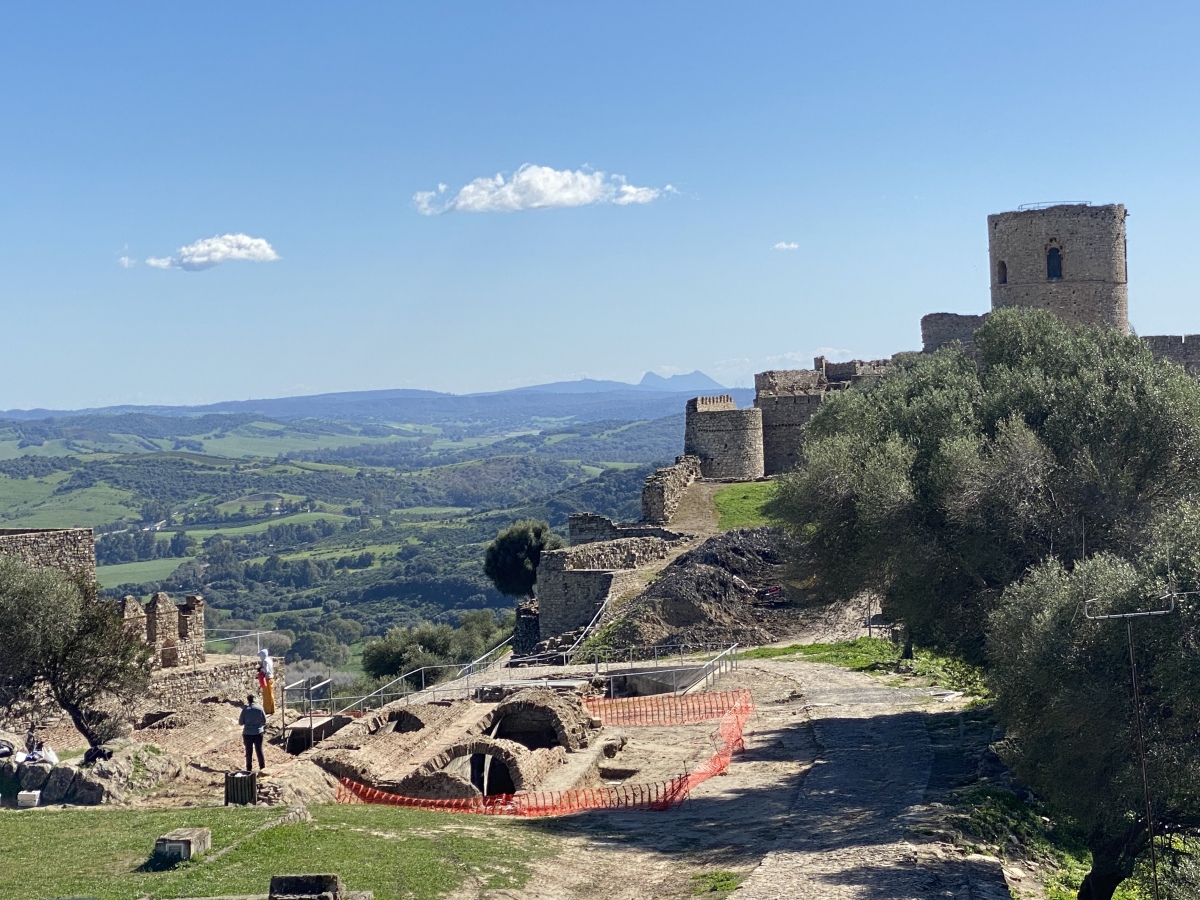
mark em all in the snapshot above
pixel 56 634
pixel 1063 686
pixel 512 558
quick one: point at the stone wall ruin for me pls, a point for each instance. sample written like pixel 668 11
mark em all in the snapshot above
pixel 69 549
pixel 727 440
pixel 174 631
pixel 590 528
pixel 575 582
pixel 663 490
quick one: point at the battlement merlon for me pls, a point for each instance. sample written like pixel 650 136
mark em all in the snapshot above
pixel 711 404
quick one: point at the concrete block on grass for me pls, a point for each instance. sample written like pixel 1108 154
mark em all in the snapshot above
pixel 183 844
pixel 326 886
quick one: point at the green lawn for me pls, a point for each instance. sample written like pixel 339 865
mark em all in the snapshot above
pixel 397 853
pixel 136 572
pixel 741 505
pixel 865 654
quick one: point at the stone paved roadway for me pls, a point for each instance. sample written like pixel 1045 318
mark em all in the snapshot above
pixel 847 835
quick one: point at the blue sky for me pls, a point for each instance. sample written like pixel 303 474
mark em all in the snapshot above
pixel 874 137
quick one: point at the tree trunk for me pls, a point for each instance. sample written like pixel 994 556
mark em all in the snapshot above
pixel 1113 859
pixel 1099 886
pixel 80 721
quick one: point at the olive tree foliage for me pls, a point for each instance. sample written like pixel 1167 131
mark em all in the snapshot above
pixel 953 476
pixel 56 634
pixel 1064 691
pixel 428 644
pixel 512 558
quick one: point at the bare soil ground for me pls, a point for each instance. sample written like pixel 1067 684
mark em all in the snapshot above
pixel 829 800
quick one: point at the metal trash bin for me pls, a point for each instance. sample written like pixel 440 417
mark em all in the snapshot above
pixel 241 788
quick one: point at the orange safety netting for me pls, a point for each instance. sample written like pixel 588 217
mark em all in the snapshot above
pixel 733 708
pixel 665 709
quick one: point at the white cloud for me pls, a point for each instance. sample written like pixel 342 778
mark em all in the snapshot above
pixel 537 187
pixel 791 360
pixel 833 354
pixel 126 262
pixel 801 360
pixel 209 252
pixel 786 245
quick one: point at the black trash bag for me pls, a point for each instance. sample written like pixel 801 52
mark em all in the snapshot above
pixel 96 753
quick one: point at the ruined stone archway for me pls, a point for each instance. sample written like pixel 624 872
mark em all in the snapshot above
pixel 539 718
pixel 510 770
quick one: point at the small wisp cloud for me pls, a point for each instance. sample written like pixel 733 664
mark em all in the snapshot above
pixel 536 187
pixel 786 245
pixel 209 252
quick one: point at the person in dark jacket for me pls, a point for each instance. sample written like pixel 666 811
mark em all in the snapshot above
pixel 254 722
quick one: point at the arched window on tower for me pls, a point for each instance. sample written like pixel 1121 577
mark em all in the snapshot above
pixel 1001 273
pixel 1053 264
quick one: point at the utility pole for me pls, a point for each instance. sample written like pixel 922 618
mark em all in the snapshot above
pixel 1166 605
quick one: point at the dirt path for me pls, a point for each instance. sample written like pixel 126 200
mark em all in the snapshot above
pixel 820 805
pixel 849 836
pixel 696 513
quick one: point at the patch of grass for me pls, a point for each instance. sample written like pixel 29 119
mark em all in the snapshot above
pixel 741 505
pixel 396 853
pixel 874 654
pixel 716 882
pixel 997 822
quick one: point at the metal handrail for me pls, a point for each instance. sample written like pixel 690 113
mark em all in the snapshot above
pixel 462 670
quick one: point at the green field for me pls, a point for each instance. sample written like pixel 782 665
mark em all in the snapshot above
pixel 32 503
pixel 254 528
pixel 396 853
pixel 136 572
pixel 741 505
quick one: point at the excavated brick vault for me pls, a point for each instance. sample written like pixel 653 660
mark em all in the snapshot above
pixel 538 752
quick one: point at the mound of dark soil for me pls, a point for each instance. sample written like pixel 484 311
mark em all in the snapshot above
pixel 707 595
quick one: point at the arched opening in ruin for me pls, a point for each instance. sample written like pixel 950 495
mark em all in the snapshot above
pixel 531 726
pixel 1053 264
pixel 405 722
pixel 491 776
pixel 1001 272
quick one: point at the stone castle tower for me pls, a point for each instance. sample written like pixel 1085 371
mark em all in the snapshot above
pixel 727 440
pixel 1068 258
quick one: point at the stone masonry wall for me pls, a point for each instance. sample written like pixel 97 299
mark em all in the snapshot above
pixel 69 549
pixel 781 382
pixel 176 632
pixel 573 583
pixel 1182 349
pixel 623 553
pixel 569 599
pixel 783 420
pixel 231 681
pixel 663 490
pixel 940 329
pixel 728 440
pixel 589 528
pixel 1091 240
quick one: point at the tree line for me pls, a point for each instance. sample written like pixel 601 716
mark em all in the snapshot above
pixel 986 493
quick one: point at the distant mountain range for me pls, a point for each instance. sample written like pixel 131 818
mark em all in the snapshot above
pixel 694 382
pixel 586 400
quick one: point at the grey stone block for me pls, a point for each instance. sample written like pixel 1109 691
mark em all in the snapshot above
pixel 183 843
pixel 307 887
pixel 59 784
pixel 33 778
